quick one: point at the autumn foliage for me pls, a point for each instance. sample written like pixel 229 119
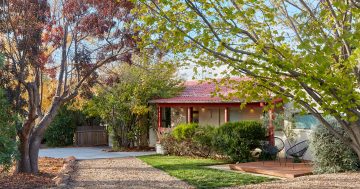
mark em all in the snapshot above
pixel 53 50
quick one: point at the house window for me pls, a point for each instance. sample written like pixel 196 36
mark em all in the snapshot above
pixel 166 117
pixel 234 114
pixel 305 121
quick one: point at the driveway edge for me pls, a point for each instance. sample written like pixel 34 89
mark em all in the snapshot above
pixel 63 178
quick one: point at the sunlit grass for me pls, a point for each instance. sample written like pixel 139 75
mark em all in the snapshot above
pixel 195 172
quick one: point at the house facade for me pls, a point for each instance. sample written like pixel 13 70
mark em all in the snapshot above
pixel 197 103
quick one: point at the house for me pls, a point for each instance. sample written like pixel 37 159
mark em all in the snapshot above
pixel 197 103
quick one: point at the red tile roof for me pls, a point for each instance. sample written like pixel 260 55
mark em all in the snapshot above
pixel 201 92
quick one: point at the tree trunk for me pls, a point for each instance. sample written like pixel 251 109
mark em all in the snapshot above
pixel 24 165
pixel 30 143
pixel 355 138
pixel 29 153
pixel 34 153
pixel 144 131
pixel 355 148
pixel 357 151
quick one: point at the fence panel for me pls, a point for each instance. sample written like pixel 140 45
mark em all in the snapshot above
pixel 91 136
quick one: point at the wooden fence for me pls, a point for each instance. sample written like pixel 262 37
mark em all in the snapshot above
pixel 91 136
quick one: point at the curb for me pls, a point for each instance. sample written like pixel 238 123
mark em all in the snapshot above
pixel 63 177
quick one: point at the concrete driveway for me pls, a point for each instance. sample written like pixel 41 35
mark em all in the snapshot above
pixel 88 153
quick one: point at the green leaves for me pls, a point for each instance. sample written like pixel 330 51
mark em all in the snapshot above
pixel 1 60
pixel 342 158
pixel 124 103
pixel 8 145
pixel 307 55
pixel 237 139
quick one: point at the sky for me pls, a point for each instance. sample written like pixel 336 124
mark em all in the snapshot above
pixel 187 73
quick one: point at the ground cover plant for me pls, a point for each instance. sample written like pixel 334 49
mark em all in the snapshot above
pixel 195 172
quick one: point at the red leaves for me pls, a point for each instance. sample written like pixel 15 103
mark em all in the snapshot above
pixel 95 25
pixel 51 72
pixel 74 9
pixel 37 31
pixel 96 16
pixel 127 58
pixel 53 35
pixel 42 60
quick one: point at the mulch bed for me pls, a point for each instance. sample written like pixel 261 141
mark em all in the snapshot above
pixel 48 169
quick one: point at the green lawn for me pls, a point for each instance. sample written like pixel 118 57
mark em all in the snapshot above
pixel 192 170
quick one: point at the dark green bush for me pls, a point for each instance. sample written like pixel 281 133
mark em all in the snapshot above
pixel 8 146
pixel 237 139
pixel 8 153
pixel 204 135
pixel 61 130
pixel 330 154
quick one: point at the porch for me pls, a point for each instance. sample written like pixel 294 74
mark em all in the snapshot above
pixel 214 114
pixel 169 115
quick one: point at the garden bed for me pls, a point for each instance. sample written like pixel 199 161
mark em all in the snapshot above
pixel 48 167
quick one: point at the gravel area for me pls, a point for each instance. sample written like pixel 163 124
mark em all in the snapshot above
pixel 325 181
pixel 121 173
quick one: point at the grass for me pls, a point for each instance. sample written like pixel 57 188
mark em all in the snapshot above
pixel 193 171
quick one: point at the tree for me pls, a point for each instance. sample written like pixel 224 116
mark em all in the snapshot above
pixel 66 41
pixel 123 100
pixel 303 51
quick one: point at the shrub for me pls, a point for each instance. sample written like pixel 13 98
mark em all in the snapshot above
pixel 203 140
pixel 189 140
pixel 237 139
pixel 8 153
pixel 8 147
pixel 61 130
pixel 330 154
pixel 184 131
pixel 170 144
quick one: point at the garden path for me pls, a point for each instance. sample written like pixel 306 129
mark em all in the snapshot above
pixel 126 172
